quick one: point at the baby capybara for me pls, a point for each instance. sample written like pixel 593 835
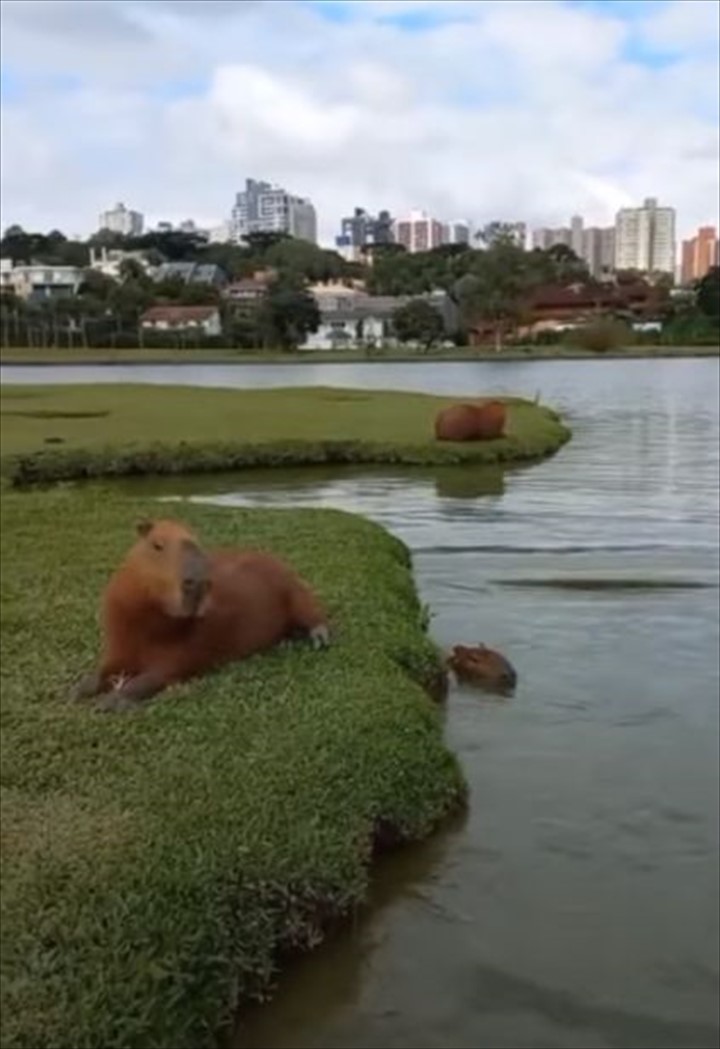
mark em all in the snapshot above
pixel 173 610
pixel 471 422
pixel 483 666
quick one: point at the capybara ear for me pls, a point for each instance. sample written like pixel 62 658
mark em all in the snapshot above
pixel 144 526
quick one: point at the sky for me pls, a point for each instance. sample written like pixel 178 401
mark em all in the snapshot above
pixel 470 109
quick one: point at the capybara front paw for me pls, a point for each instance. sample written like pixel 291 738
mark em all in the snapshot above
pixel 320 636
pixel 116 703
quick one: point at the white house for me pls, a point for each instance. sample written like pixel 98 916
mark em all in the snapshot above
pixel 108 261
pixel 183 318
pixel 352 319
pixel 38 280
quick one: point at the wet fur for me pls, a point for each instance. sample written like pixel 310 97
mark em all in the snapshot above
pixel 480 665
pixel 254 601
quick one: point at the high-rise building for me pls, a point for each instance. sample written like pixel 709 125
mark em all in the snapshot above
pixel 121 220
pixel 699 254
pixel 262 208
pixel 645 238
pixel 362 229
pixel 420 232
pixel 576 235
pixel 598 249
pixel 548 238
pixel 457 232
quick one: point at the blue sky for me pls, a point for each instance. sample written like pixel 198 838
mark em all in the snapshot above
pixel 492 109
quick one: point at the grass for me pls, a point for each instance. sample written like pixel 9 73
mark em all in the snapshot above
pixel 11 355
pixel 51 433
pixel 157 866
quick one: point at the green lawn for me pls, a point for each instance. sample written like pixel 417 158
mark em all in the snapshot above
pixel 11 355
pixel 154 863
pixel 62 432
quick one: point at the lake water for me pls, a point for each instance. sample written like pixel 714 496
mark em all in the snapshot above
pixel 576 905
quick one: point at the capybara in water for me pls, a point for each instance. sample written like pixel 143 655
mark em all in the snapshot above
pixel 172 611
pixel 471 422
pixel 483 666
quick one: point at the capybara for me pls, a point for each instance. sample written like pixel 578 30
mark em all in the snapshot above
pixel 173 610
pixel 483 666
pixel 483 421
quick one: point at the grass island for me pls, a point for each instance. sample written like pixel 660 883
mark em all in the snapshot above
pixel 157 867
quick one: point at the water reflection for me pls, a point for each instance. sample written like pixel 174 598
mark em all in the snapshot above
pixel 342 963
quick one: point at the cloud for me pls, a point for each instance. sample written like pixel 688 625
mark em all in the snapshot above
pixel 492 109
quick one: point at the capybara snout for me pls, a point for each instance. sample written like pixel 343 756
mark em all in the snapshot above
pixel 179 566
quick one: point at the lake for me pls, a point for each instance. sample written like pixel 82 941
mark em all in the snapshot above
pixel 576 904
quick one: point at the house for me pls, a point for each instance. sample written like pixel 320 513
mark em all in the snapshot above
pixel 351 319
pixel 108 261
pixel 40 281
pixel 556 308
pixel 205 319
pixel 191 273
pixel 248 291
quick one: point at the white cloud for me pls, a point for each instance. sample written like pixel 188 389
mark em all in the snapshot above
pixel 520 110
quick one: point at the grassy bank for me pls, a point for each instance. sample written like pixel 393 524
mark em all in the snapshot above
pixel 63 432
pixel 9 355
pixel 156 865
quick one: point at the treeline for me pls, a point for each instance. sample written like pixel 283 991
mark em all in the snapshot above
pixel 491 285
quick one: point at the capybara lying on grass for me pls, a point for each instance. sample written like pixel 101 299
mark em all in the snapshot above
pixel 173 611
pixel 482 666
pixel 471 422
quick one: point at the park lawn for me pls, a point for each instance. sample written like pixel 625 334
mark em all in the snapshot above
pixel 399 355
pixel 65 432
pixel 155 865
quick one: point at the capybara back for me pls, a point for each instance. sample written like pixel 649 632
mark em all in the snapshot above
pixel 471 422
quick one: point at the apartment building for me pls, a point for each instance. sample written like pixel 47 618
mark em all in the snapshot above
pixel 420 232
pixel 264 208
pixel 699 254
pixel 645 238
pixel 122 220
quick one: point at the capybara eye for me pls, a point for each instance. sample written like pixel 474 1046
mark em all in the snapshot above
pixel 157 545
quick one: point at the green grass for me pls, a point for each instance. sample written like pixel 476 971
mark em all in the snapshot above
pixel 118 430
pixel 12 355
pixel 157 865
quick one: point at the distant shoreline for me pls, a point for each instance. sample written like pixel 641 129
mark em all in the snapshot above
pixel 95 358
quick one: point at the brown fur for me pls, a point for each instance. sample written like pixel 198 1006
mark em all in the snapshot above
pixel 234 603
pixel 471 422
pixel 482 666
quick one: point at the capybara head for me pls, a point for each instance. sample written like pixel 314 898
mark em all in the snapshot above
pixel 484 666
pixel 174 567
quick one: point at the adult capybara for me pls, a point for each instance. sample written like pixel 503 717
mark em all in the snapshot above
pixel 172 611
pixel 483 421
pixel 483 666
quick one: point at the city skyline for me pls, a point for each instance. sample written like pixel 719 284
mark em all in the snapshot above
pixel 546 109
pixel 643 237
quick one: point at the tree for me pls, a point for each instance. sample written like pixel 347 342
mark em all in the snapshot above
pixel 495 234
pixel 566 267
pixel 494 290
pixel 708 294
pixel 418 321
pixel 287 315
pixel 133 270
